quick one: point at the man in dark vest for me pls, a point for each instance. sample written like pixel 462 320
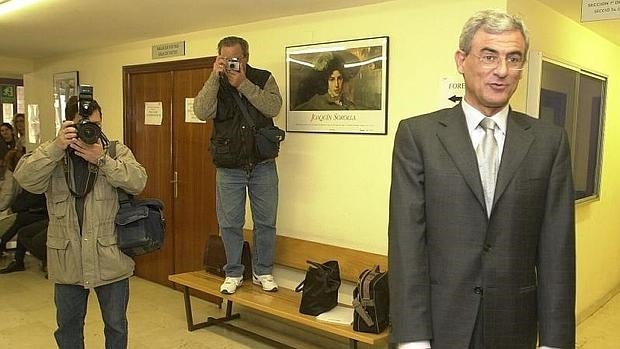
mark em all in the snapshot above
pixel 233 85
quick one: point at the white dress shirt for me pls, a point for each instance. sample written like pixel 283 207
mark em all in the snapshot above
pixel 473 118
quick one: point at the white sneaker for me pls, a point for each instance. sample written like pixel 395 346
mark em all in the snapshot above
pixel 265 281
pixel 230 284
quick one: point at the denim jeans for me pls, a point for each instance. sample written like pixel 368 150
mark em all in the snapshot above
pixel 262 187
pixel 71 303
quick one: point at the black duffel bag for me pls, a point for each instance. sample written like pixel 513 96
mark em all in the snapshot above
pixel 140 225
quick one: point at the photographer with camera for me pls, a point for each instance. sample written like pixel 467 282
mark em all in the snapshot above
pixel 233 86
pixel 80 181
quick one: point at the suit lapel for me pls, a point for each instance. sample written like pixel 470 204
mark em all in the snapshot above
pixel 455 138
pixel 517 144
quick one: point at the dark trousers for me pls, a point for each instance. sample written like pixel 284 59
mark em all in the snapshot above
pixel 71 303
pixel 33 238
pixel 22 219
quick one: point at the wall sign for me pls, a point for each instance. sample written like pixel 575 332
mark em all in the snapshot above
pixel 598 10
pixel 170 49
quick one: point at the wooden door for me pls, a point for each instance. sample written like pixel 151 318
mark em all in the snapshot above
pixel 175 155
pixel 195 200
pixel 151 144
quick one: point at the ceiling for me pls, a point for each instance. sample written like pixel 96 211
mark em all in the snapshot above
pixel 51 27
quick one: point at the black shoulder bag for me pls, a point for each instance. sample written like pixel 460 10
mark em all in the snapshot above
pixel 268 138
pixel 320 288
pixel 140 224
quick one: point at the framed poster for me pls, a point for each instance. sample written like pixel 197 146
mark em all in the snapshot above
pixel 65 86
pixel 337 87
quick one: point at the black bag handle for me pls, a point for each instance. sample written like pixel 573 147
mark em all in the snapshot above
pixel 317 265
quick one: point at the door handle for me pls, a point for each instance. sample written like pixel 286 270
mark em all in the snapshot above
pixel 175 181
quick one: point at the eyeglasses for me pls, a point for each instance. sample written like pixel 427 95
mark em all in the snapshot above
pixel 491 61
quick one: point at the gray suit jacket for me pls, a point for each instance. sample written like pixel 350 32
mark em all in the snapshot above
pixel 448 259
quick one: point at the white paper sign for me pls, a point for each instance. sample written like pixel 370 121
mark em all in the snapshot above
pixel 7 112
pixel 189 112
pixel 153 113
pixel 20 99
pixel 34 128
pixel 451 91
pixel 597 10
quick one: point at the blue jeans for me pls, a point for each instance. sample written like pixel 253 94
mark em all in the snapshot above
pixel 262 186
pixel 71 303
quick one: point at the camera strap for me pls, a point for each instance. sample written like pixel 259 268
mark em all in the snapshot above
pixel 244 109
pixel 93 171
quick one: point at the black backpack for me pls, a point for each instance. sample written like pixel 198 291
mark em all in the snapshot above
pixel 371 301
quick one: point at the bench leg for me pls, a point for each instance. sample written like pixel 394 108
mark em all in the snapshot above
pixel 210 321
pixel 352 344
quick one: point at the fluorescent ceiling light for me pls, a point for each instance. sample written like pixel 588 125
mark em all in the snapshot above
pixel 7 6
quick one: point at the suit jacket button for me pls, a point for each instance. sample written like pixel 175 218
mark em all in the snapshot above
pixel 478 290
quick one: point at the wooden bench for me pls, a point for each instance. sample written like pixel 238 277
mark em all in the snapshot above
pixel 293 253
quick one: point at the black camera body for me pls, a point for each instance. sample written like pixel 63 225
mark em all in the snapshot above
pixel 87 131
pixel 233 64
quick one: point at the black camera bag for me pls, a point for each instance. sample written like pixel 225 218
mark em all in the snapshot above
pixel 140 223
pixel 268 141
pixel 371 301
pixel 267 138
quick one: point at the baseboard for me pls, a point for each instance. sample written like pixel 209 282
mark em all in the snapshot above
pixel 589 311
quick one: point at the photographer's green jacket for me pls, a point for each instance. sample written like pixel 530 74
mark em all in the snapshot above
pixel 92 258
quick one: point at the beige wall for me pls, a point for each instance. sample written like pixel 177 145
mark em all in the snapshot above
pixel 598 241
pixel 14 68
pixel 334 188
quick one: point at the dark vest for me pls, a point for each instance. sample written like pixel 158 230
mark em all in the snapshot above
pixel 232 142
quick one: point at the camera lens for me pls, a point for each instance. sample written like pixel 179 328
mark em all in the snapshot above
pixel 88 132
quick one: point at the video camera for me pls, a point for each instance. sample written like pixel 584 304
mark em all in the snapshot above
pixel 87 131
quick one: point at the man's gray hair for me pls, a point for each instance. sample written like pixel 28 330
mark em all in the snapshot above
pixel 232 41
pixel 494 22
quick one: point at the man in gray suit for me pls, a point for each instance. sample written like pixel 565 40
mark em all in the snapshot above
pixel 481 226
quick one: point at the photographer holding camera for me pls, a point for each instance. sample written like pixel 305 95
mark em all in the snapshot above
pixel 233 86
pixel 80 181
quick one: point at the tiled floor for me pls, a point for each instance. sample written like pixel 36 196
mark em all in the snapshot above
pixel 157 320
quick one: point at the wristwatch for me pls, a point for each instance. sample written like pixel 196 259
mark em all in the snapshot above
pixel 101 160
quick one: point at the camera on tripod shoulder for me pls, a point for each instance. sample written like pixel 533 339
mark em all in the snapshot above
pixel 87 131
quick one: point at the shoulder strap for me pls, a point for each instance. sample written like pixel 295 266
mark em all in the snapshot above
pixel 93 171
pixel 112 149
pixel 243 107
pixel 124 199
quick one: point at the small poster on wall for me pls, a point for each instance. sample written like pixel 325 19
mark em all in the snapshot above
pixel 153 113
pixel 189 112
pixel 337 87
